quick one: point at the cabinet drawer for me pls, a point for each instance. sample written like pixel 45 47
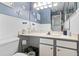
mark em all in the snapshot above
pixel 45 50
pixel 46 41
pixel 67 44
pixel 65 52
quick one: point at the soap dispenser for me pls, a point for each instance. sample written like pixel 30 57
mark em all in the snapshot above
pixel 65 32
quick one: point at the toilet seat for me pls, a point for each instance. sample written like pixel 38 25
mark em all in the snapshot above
pixel 20 54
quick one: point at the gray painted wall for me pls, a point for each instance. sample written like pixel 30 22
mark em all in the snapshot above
pixel 12 11
pixel 77 4
pixel 45 15
pixel 7 10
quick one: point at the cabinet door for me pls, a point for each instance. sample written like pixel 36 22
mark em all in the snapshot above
pixel 66 52
pixel 46 50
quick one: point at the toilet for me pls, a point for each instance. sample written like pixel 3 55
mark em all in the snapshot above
pixel 9 47
pixel 20 54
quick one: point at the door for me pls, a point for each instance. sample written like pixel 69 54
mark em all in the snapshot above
pixel 46 50
pixel 56 22
pixel 66 52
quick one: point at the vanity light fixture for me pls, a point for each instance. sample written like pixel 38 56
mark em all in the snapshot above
pixel 39 4
pixel 49 2
pixel 50 5
pixel 45 7
pixel 35 5
pixel 55 4
pixel 37 8
pixel 44 3
pixel 41 7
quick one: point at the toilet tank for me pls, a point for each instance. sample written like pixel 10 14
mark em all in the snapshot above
pixel 8 47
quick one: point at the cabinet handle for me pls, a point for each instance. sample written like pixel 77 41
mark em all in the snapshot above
pixel 51 48
pixel 58 49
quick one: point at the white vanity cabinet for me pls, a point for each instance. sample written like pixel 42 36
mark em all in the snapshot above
pixel 62 48
pixel 65 51
pixel 46 50
pixel 46 47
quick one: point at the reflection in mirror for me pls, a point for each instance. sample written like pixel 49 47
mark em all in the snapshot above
pixel 53 15
pixel 43 15
pixel 60 14
pixel 56 22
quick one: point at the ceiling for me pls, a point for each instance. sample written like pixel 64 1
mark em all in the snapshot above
pixel 24 5
pixel 21 5
pixel 8 3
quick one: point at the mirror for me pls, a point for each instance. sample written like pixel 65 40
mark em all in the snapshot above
pixel 53 15
pixel 56 22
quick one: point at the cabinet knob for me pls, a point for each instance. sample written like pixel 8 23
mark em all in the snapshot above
pixel 51 48
pixel 58 49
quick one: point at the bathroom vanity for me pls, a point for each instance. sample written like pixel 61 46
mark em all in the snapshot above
pixel 56 45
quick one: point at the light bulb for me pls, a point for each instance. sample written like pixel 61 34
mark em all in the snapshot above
pixel 37 9
pixel 35 5
pixel 45 6
pixel 49 2
pixel 50 5
pixel 39 4
pixel 55 4
pixel 41 7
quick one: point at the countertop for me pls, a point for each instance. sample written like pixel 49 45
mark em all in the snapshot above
pixel 58 37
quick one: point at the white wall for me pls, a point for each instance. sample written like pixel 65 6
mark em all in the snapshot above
pixel 9 26
pixel 74 23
